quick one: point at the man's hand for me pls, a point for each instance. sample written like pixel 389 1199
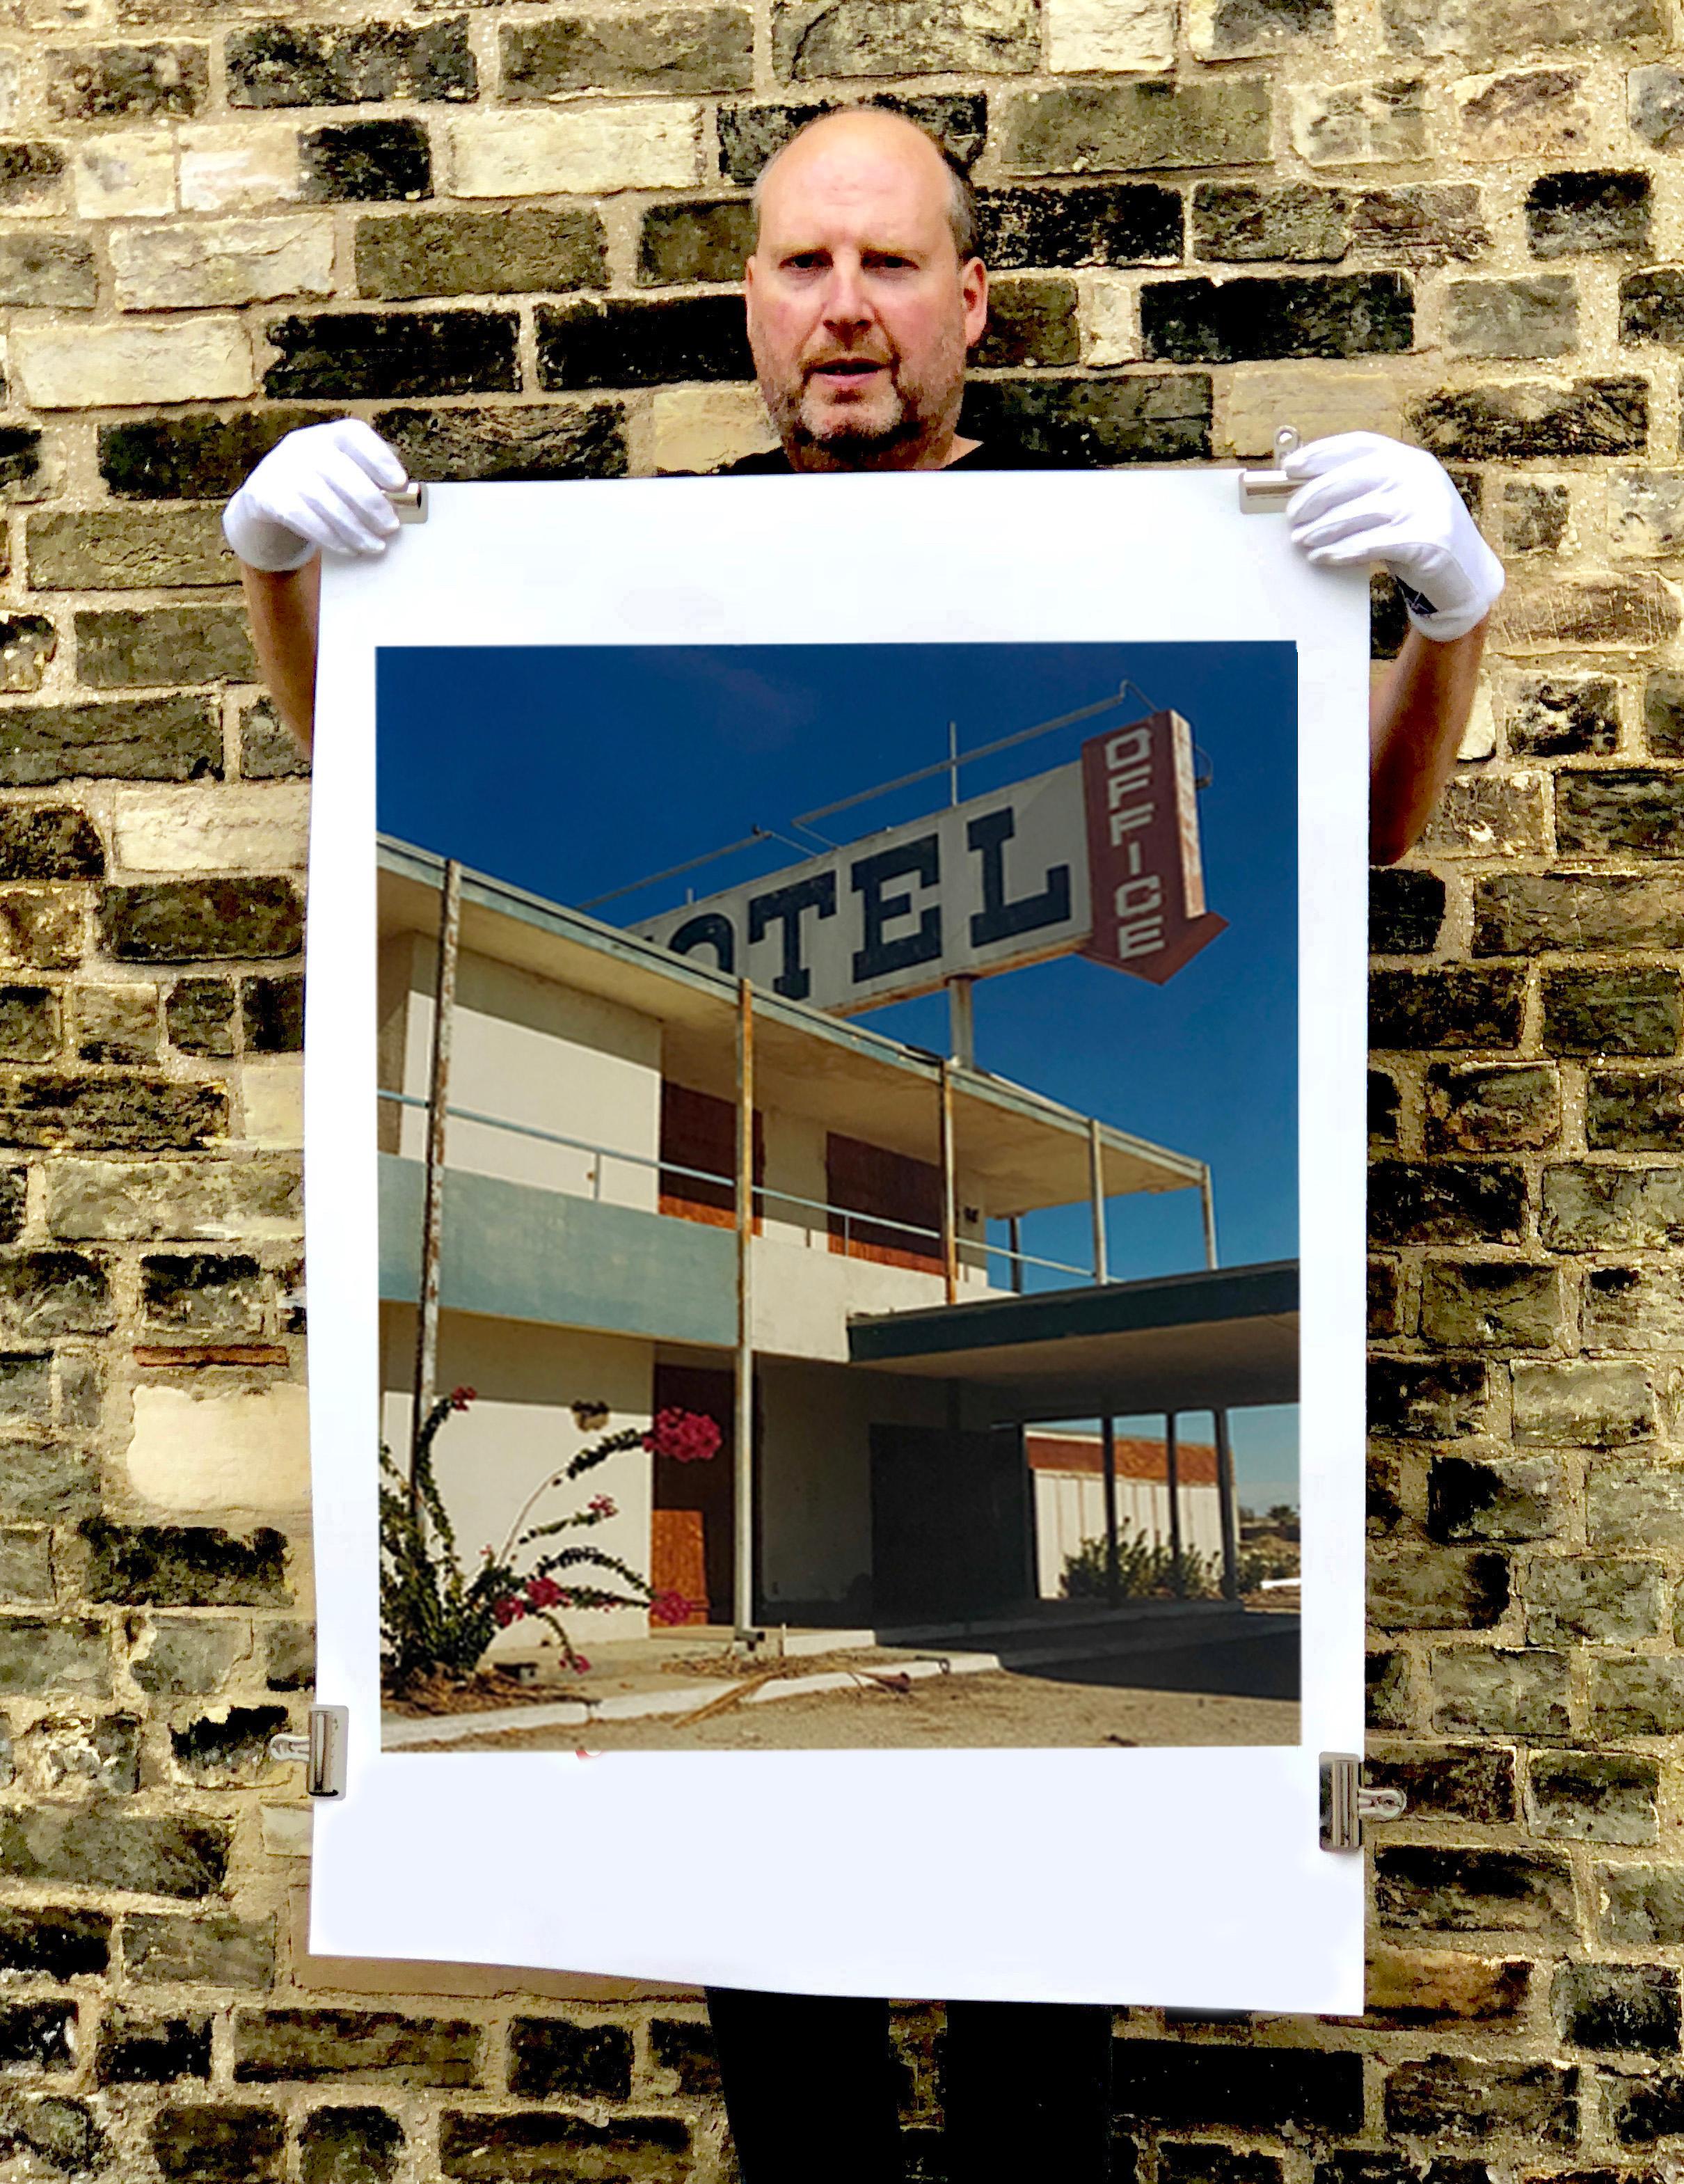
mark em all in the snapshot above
pixel 1369 498
pixel 321 486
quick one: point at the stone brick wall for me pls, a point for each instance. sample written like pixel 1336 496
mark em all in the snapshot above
pixel 506 234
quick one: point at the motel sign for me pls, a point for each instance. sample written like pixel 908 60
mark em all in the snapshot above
pixel 1099 857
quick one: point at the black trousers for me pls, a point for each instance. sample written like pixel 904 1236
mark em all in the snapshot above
pixel 811 2091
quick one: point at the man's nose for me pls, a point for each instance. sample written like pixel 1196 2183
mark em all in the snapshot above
pixel 846 301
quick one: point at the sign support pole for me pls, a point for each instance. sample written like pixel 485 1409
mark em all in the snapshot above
pixel 742 1561
pixel 432 1204
pixel 949 1191
pixel 1108 1442
pixel 1225 1491
pixel 1095 1182
pixel 962 1021
pixel 1172 1472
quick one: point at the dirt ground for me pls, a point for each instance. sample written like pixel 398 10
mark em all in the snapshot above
pixel 1075 1704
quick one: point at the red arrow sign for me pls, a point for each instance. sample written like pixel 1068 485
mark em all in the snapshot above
pixel 1144 863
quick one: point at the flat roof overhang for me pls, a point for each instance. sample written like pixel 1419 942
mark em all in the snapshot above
pixel 1022 1152
pixel 1180 1342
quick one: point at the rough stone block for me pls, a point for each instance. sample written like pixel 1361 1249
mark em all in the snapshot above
pixel 220 1449
pixel 1496 1693
pixel 1452 2098
pixel 26 468
pixel 241 166
pixel 1092 36
pixel 1342 314
pixel 669 49
pixel 1594 1602
pixel 199 1015
pixel 187 1200
pixel 1426 1887
pixel 219 2143
pixel 1427 223
pixel 1637 1695
pixel 1031 322
pixel 1560 716
pixel 1537 315
pixel 1635 1502
pixel 134 1113
pixel 1295 222
pixel 1214 121
pixel 534 440
pixel 587 150
pixel 239 829
pixel 185 1566
pixel 1588 1208
pixel 1534 516
pixel 1405 910
pixel 1533 418
pixel 1384 1108
pixel 269 751
pixel 484 253
pixel 1436 1590
pixel 1645 512
pixel 1445 1202
pixel 37 2035
pixel 49 1484
pixel 1387 1676
pixel 126 83
pixel 338 2144
pixel 749 134
pixel 1257 397
pixel 388 353
pixel 1478 817
pixel 1593 1796
pixel 279 64
pixel 1499 29
pixel 220 263
pixel 223 1750
pixel 1083 223
pixel 1642 2110
pixel 533 2145
pixel 1184 2084
pixel 1574 1405
pixel 30 1027
pixel 1654 106
pixel 136 2049
pixel 816 40
pixel 365 163
pixel 96 367
pixel 46 1294
pixel 117 1023
pixel 185 921
pixel 26 1564
pixel 119 647
pixel 1525 114
pixel 1651 307
pixel 1499 1498
pixel 32 178
pixel 1527 914
pixel 1425 1400
pixel 1552 613
pixel 37 1654
pixel 1145 417
pixel 552 2056
pixel 194 456
pixel 189 1654
pixel 46 270
pixel 93 1846
pixel 699 429
pixel 121 550
pixel 1569 214
pixel 213 1948
pixel 1501 1303
pixel 1430 1986
pixel 1635 1109
pixel 1235 30
pixel 702 240
pixel 127 174
pixel 1410 1012
pixel 55 1944
pixel 1343 125
pixel 1623 1011
pixel 275 2045
pixel 1449 1781
pixel 1640 1906
pixel 636 344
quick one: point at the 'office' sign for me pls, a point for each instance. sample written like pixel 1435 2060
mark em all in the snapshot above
pixel 1100 857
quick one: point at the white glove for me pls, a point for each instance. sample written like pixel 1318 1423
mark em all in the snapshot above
pixel 321 486
pixel 1374 499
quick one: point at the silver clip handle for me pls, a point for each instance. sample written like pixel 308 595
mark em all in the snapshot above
pixel 408 501
pixel 322 1753
pixel 1347 1801
pixel 1263 492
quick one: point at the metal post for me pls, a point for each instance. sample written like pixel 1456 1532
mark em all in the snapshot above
pixel 962 1021
pixel 742 1571
pixel 1095 1185
pixel 1224 1496
pixel 949 1189
pixel 1108 1444
pixel 1014 1238
pixel 1172 1474
pixel 432 1200
pixel 1207 1201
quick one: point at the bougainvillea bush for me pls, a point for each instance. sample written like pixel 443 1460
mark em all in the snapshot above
pixel 437 1617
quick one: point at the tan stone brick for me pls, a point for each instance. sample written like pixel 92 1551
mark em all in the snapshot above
pixel 1543 114
pixel 248 261
pixel 121 366
pixel 273 1096
pixel 596 148
pixel 285 1830
pixel 1359 124
pixel 241 1453
pixel 1318 400
pixel 240 166
pixel 9 77
pixel 1094 35
pixel 703 428
pixel 255 828
pixel 129 175
pixel 1109 320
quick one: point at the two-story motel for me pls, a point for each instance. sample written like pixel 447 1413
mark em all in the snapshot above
pixel 862 1344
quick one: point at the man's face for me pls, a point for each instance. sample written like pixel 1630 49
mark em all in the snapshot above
pixel 859 312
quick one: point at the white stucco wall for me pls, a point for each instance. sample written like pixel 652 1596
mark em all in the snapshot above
pixel 1070 1507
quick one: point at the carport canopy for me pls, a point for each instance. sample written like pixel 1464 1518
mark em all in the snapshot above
pixel 1217 1341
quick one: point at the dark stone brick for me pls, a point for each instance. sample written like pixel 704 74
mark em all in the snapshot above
pixel 47 270
pixel 534 440
pixel 126 83
pixel 1183 2084
pixel 1633 813
pixel 28 644
pixel 1459 2097
pixel 1084 224
pixel 126 549
pixel 1528 913
pixel 1532 418
pixel 667 47
pixel 186 1566
pixel 1445 1202
pixel 29 1023
pixel 1217 121
pixel 749 134
pixel 54 1944
pixel 1384 1317
pixel 1593 1796
pixel 43 1294
pixel 1426 224
pixel 1439 1399
pixel 188 1654
pixel 1206 2162
pixel 1030 321
pixel 519 248
pixel 1422 1887
pixel 1635 1111
pixel 1237 222
pixel 1563 716
pixel 36 2036
pixel 119 646
pixel 233 1748
pixel 200 1292
pixel 533 2148
pixel 273 2046
pixel 213 1948
pixel 290 1657
pixel 133 1113
pixel 133 739
pixel 1534 516
pixel 1223 321
pixel 1641 2110
pixel 1450 1782
pixel 13 1184
pixel 549 2056
pixel 685 2046
pixel 1387 1680
pixel 43 927
pixel 1437 1591
pixel 93 1846
pixel 1507 1498
pixel 349 2146
pixel 353 64
pixel 60 1654
pixel 61 2132
pixel 1640 1905
pixel 1411 1011
pixel 117 1024
pixel 705 239
pixel 198 1015
pixel 1652 306
pixel 223 2143
pixel 151 2050
pixel 1499 1303
pixel 177 921
pixel 1535 316
pixel 40 1484
pixel 22 472
pixel 273 1015
pixel 1664 713
pixel 1383 1108
pixel 1142 418
pixel 193 457
pixel 29 173
pixel 269 750
pixel 1571 213
pixel 1405 910
pixel 1585 1208
pixel 634 343
pixel 1636 1695
pixel 814 41
pixel 364 163
pixel 396 352
pixel 1624 1011
pixel 1613 2006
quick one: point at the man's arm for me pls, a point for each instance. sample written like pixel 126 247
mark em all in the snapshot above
pixel 1416 721
pixel 283 607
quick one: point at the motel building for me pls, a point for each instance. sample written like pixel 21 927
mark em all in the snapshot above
pixel 886 1376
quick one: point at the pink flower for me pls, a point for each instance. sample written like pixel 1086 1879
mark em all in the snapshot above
pixel 508 1610
pixel 459 1398
pixel 581 1666
pixel 601 1505
pixel 687 1436
pixel 542 1592
pixel 670 1607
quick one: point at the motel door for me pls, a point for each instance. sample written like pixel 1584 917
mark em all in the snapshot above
pixel 950 1523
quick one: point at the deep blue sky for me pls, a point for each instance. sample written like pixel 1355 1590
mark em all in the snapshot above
pixel 572 773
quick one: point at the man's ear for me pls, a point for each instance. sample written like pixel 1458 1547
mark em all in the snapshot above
pixel 974 289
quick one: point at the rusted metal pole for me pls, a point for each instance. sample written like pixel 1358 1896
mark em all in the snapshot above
pixel 1014 1240
pixel 1224 1495
pixel 949 1188
pixel 1108 1444
pixel 962 1021
pixel 1095 1185
pixel 1208 1202
pixel 432 1200
pixel 1172 1474
pixel 742 1561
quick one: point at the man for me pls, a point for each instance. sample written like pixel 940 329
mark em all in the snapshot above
pixel 864 294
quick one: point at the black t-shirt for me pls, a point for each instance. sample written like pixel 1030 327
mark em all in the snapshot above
pixel 990 455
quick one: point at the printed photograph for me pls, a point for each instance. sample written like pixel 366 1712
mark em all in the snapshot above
pixel 836 1290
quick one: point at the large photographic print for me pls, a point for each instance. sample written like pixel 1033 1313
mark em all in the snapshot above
pixel 838 1290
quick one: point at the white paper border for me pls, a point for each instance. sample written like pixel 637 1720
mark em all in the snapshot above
pixel 1188 1878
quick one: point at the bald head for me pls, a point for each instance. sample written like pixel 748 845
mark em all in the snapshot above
pixel 852 132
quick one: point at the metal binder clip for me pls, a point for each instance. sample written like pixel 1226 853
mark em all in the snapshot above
pixel 321 1753
pixel 408 502
pixel 1346 1804
pixel 1263 493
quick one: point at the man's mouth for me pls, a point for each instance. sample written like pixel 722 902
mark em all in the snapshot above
pixel 845 368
